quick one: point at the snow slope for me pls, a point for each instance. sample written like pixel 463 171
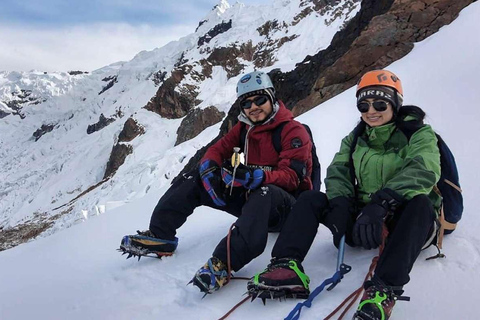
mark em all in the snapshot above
pixel 37 177
pixel 76 273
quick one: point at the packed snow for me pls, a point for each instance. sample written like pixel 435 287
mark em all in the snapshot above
pixel 77 274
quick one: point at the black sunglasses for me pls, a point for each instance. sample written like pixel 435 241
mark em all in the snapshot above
pixel 247 104
pixel 378 105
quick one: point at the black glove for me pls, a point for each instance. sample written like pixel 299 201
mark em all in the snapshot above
pixel 388 199
pixel 249 178
pixel 339 218
pixel 212 181
pixel 367 231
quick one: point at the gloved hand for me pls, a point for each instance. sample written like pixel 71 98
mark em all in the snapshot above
pixel 244 176
pixel 367 231
pixel 339 219
pixel 212 182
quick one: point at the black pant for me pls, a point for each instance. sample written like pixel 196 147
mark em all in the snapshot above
pixel 408 231
pixel 264 210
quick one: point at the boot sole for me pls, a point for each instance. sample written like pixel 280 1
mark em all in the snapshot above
pixel 267 292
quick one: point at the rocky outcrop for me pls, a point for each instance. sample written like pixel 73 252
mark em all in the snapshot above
pixel 119 153
pixel 381 33
pixel 19 99
pixel 215 31
pixel 76 72
pixel 131 130
pixel 159 77
pixel 3 114
pixel 45 128
pixel 227 57
pixel 196 121
pixel 111 81
pixel 28 230
pixel 169 103
pixel 100 124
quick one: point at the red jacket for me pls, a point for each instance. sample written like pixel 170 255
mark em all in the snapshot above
pixel 259 149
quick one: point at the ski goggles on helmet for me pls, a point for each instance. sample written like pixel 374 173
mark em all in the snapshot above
pixel 259 101
pixel 378 105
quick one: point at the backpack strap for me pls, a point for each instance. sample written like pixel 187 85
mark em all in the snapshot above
pixel 277 137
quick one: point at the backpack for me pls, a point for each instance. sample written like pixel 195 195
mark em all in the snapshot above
pixel 448 187
pixel 277 144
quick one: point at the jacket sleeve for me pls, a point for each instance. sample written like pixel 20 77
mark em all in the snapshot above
pixel 295 158
pixel 421 170
pixel 338 181
pixel 223 148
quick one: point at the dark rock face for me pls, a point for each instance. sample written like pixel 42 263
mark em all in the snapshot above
pixel 30 229
pixel 381 33
pixel 227 57
pixel 102 123
pixel 20 99
pixel 159 77
pixel 167 102
pixel 111 81
pixel 119 153
pixel 196 121
pixel 76 72
pixel 215 31
pixel 131 130
pixel 45 128
pixel 3 114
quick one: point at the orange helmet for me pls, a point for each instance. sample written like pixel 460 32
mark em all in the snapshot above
pixel 382 78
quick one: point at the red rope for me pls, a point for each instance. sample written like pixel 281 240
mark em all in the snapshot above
pixel 235 307
pixel 229 277
pixel 356 294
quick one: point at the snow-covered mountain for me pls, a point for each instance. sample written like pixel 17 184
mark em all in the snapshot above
pixel 20 89
pixel 77 274
pixel 55 162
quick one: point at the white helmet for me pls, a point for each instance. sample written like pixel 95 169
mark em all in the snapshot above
pixel 253 83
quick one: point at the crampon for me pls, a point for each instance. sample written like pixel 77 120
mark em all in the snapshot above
pixel 144 244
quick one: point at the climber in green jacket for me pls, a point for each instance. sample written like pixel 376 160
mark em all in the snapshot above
pixel 380 190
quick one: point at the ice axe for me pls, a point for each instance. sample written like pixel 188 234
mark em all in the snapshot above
pixel 235 164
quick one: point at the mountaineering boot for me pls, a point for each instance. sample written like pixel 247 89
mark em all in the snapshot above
pixel 378 300
pixel 144 243
pixel 211 277
pixel 283 278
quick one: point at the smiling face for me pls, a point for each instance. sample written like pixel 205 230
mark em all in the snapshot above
pixel 376 118
pixel 258 113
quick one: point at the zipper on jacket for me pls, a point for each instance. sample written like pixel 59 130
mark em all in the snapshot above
pixel 245 147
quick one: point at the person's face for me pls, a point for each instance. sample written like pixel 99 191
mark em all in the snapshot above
pixel 374 117
pixel 257 108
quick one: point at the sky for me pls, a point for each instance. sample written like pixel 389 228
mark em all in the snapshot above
pixel 59 35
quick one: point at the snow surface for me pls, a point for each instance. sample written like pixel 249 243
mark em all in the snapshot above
pixel 37 177
pixel 77 274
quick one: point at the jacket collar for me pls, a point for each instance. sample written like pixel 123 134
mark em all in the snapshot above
pixel 379 135
pixel 279 114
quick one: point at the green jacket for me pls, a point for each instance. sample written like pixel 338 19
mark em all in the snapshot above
pixel 384 158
